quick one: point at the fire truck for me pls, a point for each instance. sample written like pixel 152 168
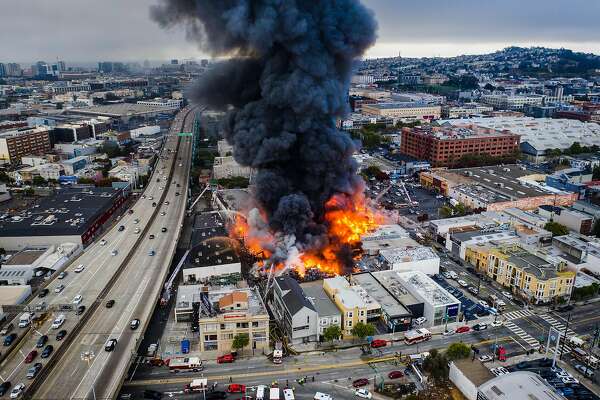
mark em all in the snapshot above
pixel 185 364
pixel 196 385
pixel 416 336
pixel 278 353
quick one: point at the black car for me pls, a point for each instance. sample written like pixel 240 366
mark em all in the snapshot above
pixel 47 351
pixel 43 293
pixel 479 327
pixel 4 386
pixel 110 303
pixel 9 339
pixel 154 204
pixel 565 308
pixel 151 236
pixel 153 394
pixel 163 229
pixel 61 335
pixel 121 228
pixel 216 395
pixel 80 310
pixel 41 341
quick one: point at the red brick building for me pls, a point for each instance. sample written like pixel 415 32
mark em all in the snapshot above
pixel 443 146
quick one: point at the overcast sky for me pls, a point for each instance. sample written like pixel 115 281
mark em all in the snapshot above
pixel 88 30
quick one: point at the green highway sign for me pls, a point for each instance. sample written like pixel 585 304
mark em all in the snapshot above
pixel 185 134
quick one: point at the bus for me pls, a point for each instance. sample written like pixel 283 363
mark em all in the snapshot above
pixel 416 336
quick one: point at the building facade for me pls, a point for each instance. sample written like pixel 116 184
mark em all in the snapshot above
pixel 404 111
pixel 23 142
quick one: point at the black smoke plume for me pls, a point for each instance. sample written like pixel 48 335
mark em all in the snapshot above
pixel 284 81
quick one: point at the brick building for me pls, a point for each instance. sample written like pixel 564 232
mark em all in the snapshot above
pixel 23 142
pixel 445 145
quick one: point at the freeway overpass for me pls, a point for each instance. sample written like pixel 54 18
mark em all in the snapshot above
pixel 118 268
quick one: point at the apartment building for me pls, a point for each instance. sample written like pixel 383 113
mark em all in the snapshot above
pixel 23 142
pixel 526 274
pixel 512 102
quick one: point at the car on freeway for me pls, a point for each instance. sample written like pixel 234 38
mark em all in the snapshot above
pixel 163 213
pixel 150 198
pixel 395 374
pixel 227 358
pixel 485 358
pixel 110 344
pixel 166 203
pixel 4 386
pixel 58 321
pixel 163 229
pixel 134 324
pixel 59 288
pixel 453 275
pixel 508 295
pixel 136 221
pixel 80 310
pixel 479 327
pixel 30 356
pixel 151 252
pixel 33 371
pixel 17 391
pixel 236 388
pixel 177 193
pixel 114 252
pixel 77 299
pixel 103 242
pixel 47 351
pixel 9 339
pixel 463 329
pixel 420 321
pixel 62 275
pixel 130 211
pixel 121 228
pixel 378 343
pixel 61 335
pixel 143 196
pixel 41 341
pixel 79 268
pixel 364 393
pixel 462 283
pixel 110 303
pixel 360 382
pixel 151 237
pixel 136 231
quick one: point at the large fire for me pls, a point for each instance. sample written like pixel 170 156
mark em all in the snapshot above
pixel 347 217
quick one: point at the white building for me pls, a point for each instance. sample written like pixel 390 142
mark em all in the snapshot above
pixel 227 167
pixel 512 102
pixel 211 258
pixel 411 259
pixel 144 131
pixel 169 103
pixel 224 148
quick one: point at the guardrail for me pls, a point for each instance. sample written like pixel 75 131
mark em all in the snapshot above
pixel 58 353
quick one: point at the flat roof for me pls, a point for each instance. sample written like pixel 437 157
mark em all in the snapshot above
pixel 25 256
pixel 400 104
pixel 519 385
pixel 390 281
pixel 427 288
pixel 211 252
pixel 352 296
pixel 69 211
pixel 388 302
pixel 408 254
pixel 465 131
pixel 206 226
pixel 122 110
pixel 474 370
pixel 14 294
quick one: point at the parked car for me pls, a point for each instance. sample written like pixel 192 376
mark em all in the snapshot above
pixel 378 343
pixel 508 295
pixel 33 371
pixel 462 283
pixel 420 321
pixel 236 388
pixel 110 303
pixel 449 332
pixel 4 386
pixel 395 374
pixel 473 290
pixel 485 358
pixel 447 275
pixel 463 329
pixel 30 356
pixel 360 382
pixel 584 370
pixel 364 393
pixel 17 391
pixel 227 358
pixel 9 339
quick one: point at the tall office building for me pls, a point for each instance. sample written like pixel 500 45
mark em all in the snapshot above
pixel 3 72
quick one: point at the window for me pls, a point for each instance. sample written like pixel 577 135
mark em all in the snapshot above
pixel 242 325
pixel 210 337
pixel 349 314
pixel 349 323
pixel 227 336
pixel 255 324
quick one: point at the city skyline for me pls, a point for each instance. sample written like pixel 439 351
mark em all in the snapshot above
pixel 427 29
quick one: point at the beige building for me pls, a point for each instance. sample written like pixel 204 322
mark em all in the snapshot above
pixel 404 110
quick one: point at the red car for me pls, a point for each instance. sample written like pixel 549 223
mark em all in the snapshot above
pixel 227 358
pixel 378 343
pixel 236 388
pixel 463 329
pixel 360 382
pixel 31 356
pixel 395 374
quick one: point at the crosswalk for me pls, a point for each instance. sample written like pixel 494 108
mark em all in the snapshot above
pixel 557 324
pixel 509 316
pixel 526 337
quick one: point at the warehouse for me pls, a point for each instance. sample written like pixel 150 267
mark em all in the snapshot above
pixel 213 259
pixel 70 215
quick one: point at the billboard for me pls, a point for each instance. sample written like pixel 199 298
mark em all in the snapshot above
pixel 452 310
pixel 67 179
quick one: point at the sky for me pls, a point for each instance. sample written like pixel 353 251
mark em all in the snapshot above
pixel 121 30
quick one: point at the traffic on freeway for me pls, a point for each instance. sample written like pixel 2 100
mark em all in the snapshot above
pixel 77 291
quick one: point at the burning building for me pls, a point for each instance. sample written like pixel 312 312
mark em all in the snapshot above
pixel 283 81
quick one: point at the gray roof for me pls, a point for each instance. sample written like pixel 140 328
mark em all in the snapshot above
pixel 211 252
pixel 519 385
pixel 316 295
pixel 293 295
pixel 390 302
pixel 122 110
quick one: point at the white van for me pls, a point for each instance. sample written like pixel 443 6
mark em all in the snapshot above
pixel 57 323
pixel 260 392
pixel 453 274
pixel 288 394
pixel 25 320
pixel 322 396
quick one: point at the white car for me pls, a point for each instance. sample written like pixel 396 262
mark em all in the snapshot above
pixel 79 268
pixel 483 303
pixel 507 295
pixel 103 242
pixel 137 230
pixel 17 391
pixel 499 371
pixel 59 288
pixel 114 252
pixel 496 323
pixel 453 275
pixel 447 275
pixel 136 221
pixel 485 358
pixel 58 321
pixel 77 299
pixel 322 396
pixel 448 333
pixel 568 380
pixel 364 393
pixel 462 283
pixel 420 321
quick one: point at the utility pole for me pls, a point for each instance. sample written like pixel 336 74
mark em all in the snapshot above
pixel 562 347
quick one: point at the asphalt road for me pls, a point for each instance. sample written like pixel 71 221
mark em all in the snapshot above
pixel 99 373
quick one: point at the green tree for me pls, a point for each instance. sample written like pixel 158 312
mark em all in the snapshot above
pixel 4 177
pixel 437 365
pixel 460 210
pixel 28 192
pixel 39 181
pixel 240 341
pixel 457 351
pixel 111 149
pixel 362 330
pixel 553 152
pixel 445 211
pixel 556 229
pixel 332 332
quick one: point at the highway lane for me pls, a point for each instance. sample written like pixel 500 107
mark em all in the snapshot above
pixel 76 378
pixel 100 266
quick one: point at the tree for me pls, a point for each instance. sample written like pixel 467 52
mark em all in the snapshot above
pixel 437 365
pixel 490 87
pixel 445 211
pixel 38 181
pixel 556 229
pixel 332 332
pixel 457 351
pixel 362 330
pixel 240 341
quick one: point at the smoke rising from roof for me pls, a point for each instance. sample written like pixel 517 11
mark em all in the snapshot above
pixel 286 75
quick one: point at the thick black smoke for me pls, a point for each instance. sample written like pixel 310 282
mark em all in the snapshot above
pixel 287 73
